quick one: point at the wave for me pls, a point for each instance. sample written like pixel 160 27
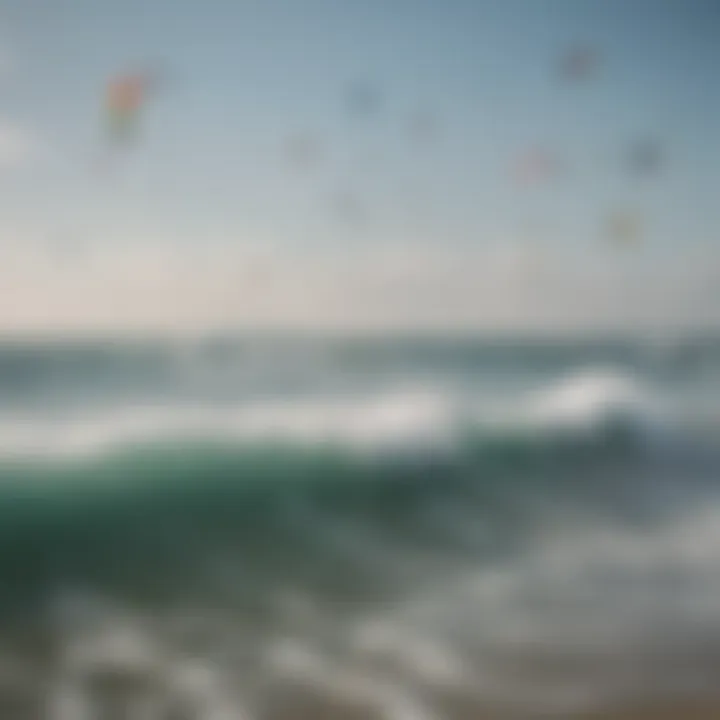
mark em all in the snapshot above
pixel 594 396
pixel 142 498
pixel 595 402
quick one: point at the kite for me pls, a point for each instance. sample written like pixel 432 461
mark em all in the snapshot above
pixel 579 63
pixel 535 166
pixel 350 210
pixel 624 227
pixel 363 99
pixel 303 150
pixel 645 158
pixel 126 96
pixel 424 128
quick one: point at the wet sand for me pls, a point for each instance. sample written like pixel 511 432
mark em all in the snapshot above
pixel 689 711
pixel 309 704
pixel 318 709
pixel 29 669
pixel 304 703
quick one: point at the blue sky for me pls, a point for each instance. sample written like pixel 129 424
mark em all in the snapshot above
pixel 243 75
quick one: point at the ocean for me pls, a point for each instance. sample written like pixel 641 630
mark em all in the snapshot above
pixel 269 527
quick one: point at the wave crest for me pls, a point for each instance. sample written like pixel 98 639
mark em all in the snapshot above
pixel 589 405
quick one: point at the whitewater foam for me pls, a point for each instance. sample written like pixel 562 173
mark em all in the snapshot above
pixel 403 418
pixel 596 590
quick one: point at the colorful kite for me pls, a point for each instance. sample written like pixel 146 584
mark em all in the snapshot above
pixel 125 97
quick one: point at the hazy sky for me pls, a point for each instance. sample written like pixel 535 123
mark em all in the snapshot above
pixel 204 222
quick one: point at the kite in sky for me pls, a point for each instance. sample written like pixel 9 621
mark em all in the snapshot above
pixel 535 166
pixel 624 227
pixel 363 99
pixel 303 150
pixel 350 210
pixel 424 128
pixel 579 63
pixel 126 96
pixel 645 158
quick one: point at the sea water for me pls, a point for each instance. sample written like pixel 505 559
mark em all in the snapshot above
pixel 281 527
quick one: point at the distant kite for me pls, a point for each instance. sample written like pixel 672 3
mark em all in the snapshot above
pixel 363 99
pixel 424 128
pixel 126 96
pixel 645 158
pixel 303 150
pixel 579 63
pixel 350 210
pixel 624 227
pixel 536 166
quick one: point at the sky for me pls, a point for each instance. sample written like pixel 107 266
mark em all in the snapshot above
pixel 204 223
